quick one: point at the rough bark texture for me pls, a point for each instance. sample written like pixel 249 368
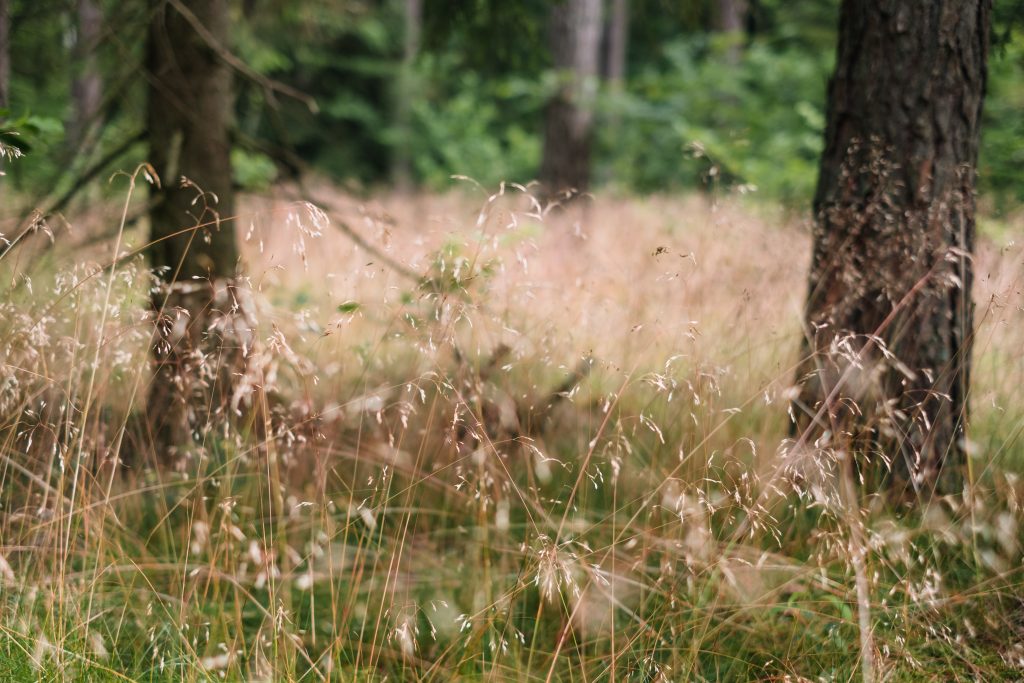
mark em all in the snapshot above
pixel 893 237
pixel 87 87
pixel 575 38
pixel 201 329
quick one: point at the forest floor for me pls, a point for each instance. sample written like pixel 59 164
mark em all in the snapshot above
pixel 494 445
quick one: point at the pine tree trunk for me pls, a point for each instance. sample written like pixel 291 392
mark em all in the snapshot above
pixel 201 312
pixel 87 87
pixel 893 238
pixel 575 37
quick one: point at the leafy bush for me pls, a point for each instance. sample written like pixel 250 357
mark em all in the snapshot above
pixel 757 121
pixel 252 171
pixel 1002 131
pixel 463 124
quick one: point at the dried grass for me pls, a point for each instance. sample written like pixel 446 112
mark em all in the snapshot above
pixel 556 453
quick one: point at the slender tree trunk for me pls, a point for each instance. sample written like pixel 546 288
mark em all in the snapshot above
pixel 730 16
pixel 894 235
pixel 618 42
pixel 200 310
pixel 5 53
pixel 87 87
pixel 402 170
pixel 575 37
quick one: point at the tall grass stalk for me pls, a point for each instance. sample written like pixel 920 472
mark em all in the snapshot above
pixel 547 445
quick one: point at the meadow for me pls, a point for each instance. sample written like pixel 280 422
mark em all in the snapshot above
pixel 483 440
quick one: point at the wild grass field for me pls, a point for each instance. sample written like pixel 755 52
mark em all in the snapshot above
pixel 499 444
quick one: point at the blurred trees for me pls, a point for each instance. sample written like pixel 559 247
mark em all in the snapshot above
pixel 402 172
pixel 889 313
pixel 617 41
pixel 5 53
pixel 731 16
pixel 87 83
pixel 689 109
pixel 730 19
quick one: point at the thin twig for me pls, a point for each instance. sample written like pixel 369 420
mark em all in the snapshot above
pixel 32 220
pixel 270 85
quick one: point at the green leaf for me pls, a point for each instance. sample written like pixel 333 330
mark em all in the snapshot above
pixel 348 307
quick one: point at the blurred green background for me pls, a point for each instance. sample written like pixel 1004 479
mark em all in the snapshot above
pixel 697 108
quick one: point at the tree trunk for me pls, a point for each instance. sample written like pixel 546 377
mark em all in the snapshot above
pixel 618 42
pixel 402 169
pixel 575 37
pixel 730 17
pixel 201 330
pixel 889 311
pixel 5 53
pixel 87 87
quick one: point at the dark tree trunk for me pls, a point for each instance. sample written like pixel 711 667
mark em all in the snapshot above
pixel 5 53
pixel 575 37
pixel 189 117
pixel 201 321
pixel 87 87
pixel 893 237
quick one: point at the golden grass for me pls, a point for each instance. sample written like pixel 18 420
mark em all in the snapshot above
pixel 408 505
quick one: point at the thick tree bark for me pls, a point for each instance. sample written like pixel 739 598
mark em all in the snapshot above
pixel 201 326
pixel 889 312
pixel 87 87
pixel 575 37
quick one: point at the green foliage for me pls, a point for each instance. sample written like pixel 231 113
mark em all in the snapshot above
pixel 466 125
pixel 493 38
pixel 1002 149
pixel 809 25
pixel 26 131
pixel 346 61
pixel 698 109
pixel 697 117
pixel 252 171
